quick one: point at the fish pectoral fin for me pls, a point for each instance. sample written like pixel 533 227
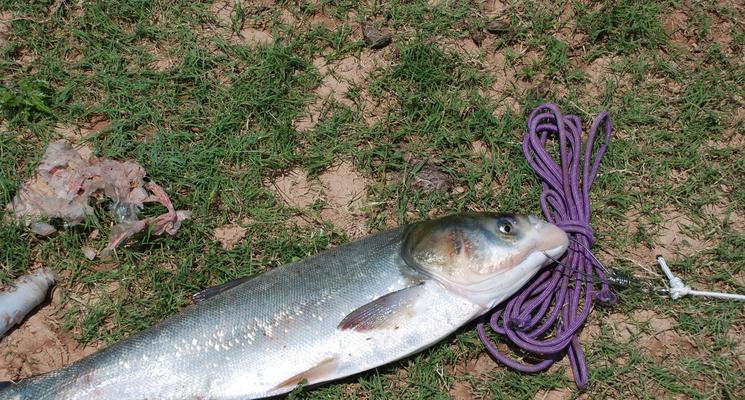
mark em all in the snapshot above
pixel 317 373
pixel 388 311
pixel 210 292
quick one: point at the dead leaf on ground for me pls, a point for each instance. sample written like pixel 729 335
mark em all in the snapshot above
pixel 432 178
pixel 499 26
pixel 477 35
pixel 373 37
pixel 675 25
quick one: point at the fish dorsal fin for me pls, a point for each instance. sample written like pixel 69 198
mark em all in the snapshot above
pixel 317 373
pixel 210 292
pixel 386 312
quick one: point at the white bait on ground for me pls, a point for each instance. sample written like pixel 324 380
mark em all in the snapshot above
pixel 24 295
pixel 341 312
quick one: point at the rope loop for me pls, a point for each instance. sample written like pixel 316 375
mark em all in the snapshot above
pixel 545 317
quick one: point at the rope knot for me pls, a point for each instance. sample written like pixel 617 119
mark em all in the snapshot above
pixel 605 296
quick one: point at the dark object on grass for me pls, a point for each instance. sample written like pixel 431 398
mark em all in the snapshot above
pixel 540 91
pixel 546 316
pixel 499 26
pixel 477 35
pixel 374 38
pixel 431 177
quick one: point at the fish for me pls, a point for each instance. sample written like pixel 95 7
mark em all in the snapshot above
pixel 24 295
pixel 335 314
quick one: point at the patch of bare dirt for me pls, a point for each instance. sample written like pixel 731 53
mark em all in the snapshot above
pixel 571 36
pixel 249 33
pixel 345 192
pixel 675 25
pixel 295 189
pixel 567 31
pixel 507 83
pixel 477 367
pixel 504 83
pixel 341 187
pixel 721 32
pixel 287 18
pixel 26 57
pixel 652 332
pixel 5 17
pixel 375 110
pixel 77 133
pixel 676 238
pixel 39 345
pixel 724 213
pixel 230 235
pixel 598 72
pixel 554 394
pixel 591 331
pixel 460 391
pixel 736 334
pixel 254 37
pixel 562 364
pixel 222 10
pixel 464 46
pixel 162 60
pixel 731 140
pixel 479 147
pixel 339 77
pixel 320 19
pixel 508 104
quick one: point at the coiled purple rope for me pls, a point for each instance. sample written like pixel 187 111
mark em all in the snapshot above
pixel 545 317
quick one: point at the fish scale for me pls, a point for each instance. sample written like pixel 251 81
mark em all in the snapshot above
pixel 266 335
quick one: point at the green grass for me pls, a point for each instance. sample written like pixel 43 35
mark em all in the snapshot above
pixel 218 122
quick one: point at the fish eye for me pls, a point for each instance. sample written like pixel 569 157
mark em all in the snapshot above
pixel 506 228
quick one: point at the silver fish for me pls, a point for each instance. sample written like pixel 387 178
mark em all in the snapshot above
pixel 338 313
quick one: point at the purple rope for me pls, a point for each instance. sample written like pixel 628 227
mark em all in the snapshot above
pixel 545 317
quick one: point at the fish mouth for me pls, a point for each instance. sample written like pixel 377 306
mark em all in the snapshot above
pixel 552 240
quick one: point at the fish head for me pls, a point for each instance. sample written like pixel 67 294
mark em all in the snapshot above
pixel 484 257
